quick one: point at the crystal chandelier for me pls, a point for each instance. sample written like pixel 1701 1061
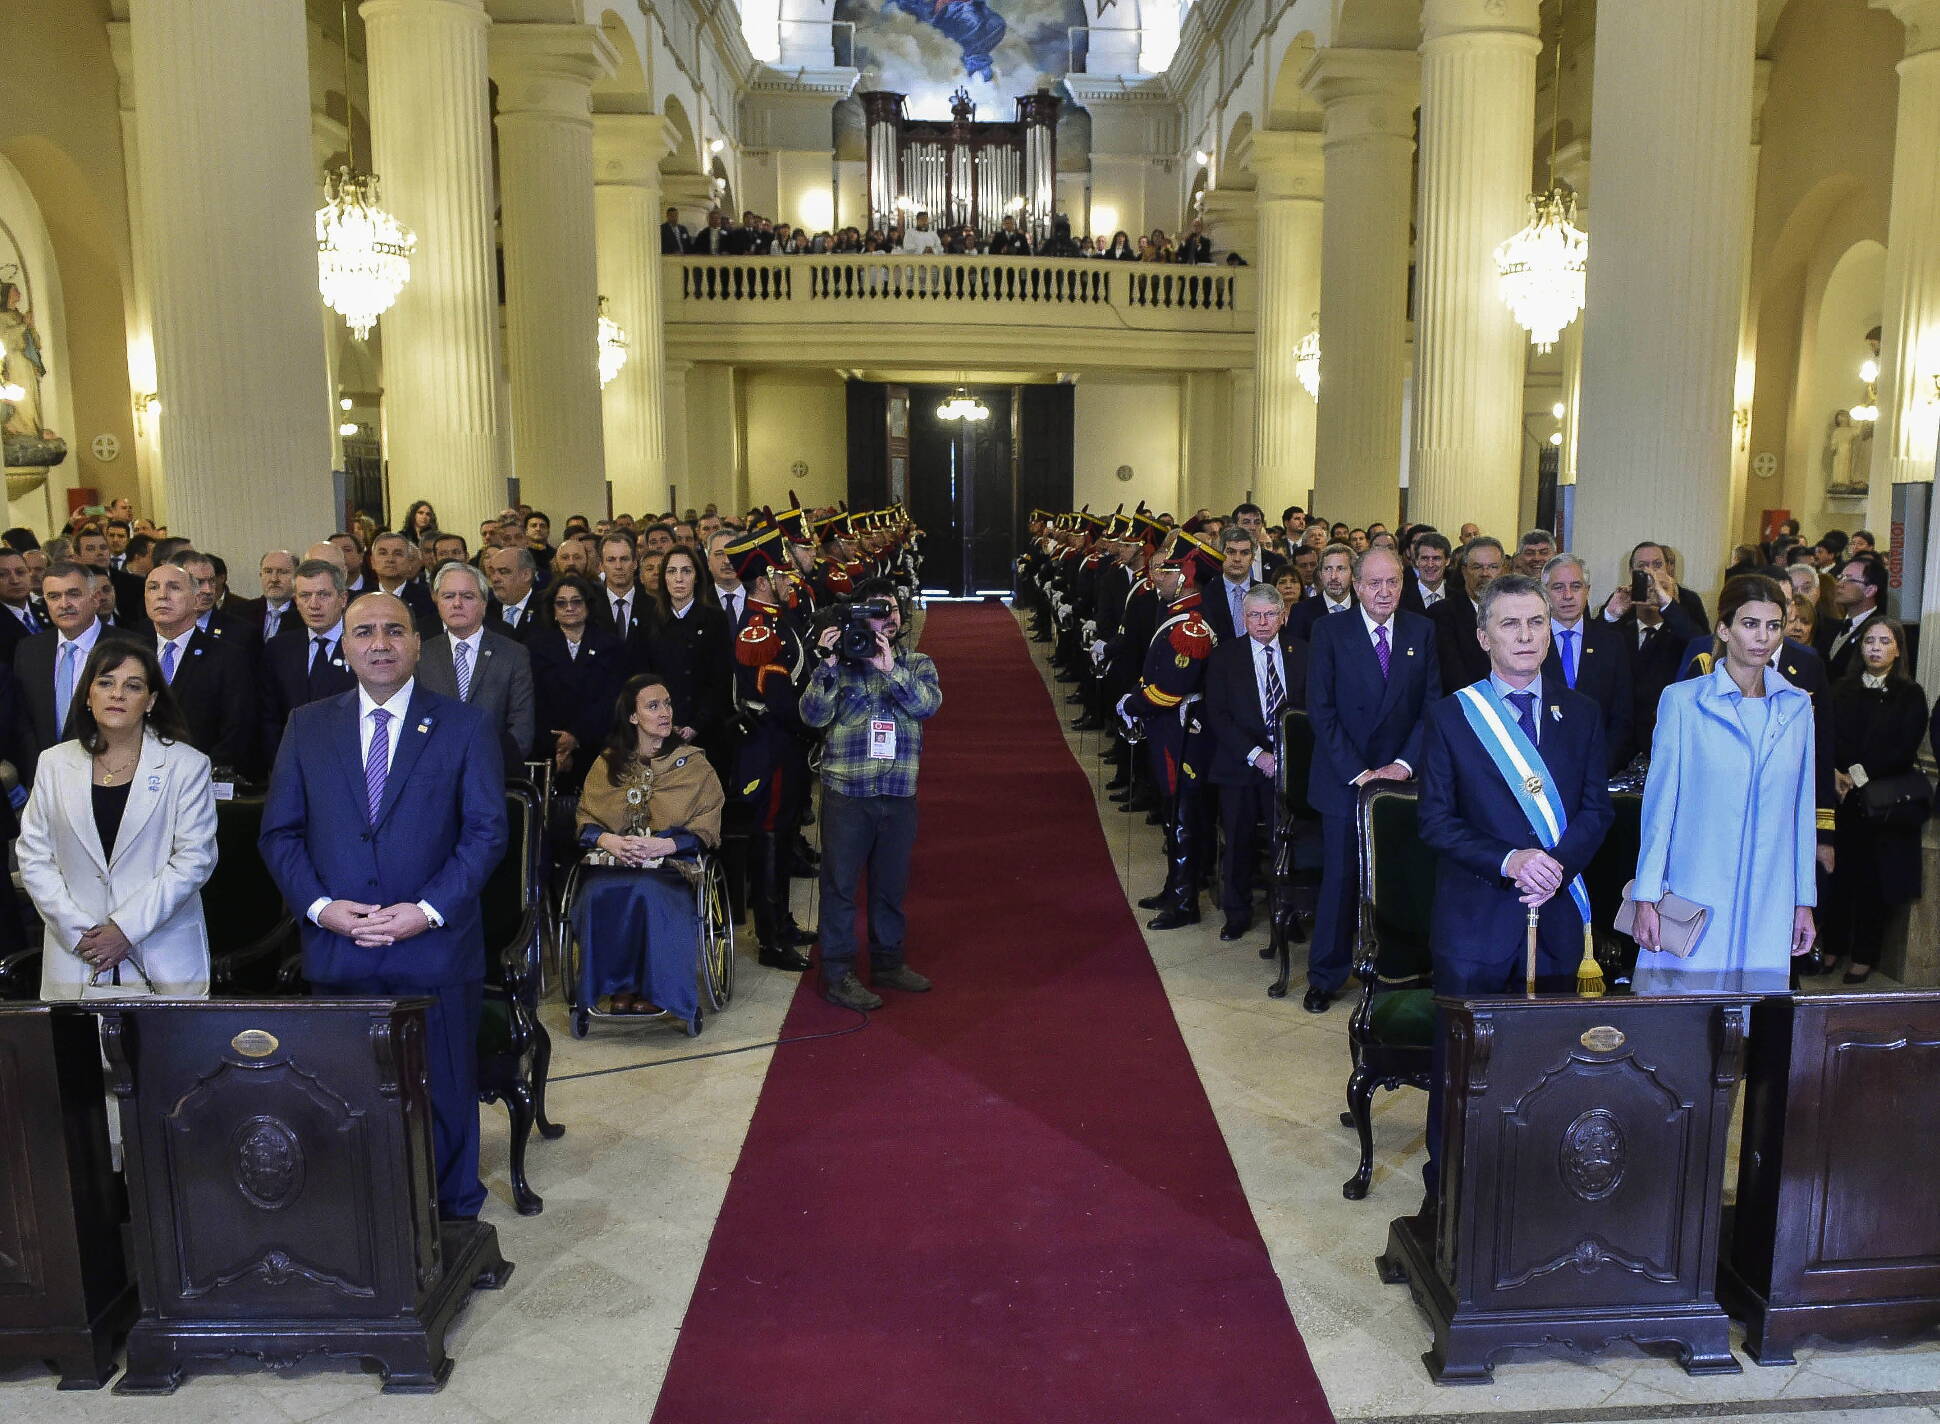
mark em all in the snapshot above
pixel 1541 269
pixel 1306 362
pixel 363 253
pixel 963 406
pixel 612 346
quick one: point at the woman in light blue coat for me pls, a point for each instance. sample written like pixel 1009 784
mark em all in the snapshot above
pixel 1729 820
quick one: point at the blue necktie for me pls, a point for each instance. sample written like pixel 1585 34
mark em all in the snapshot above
pixel 1526 713
pixel 1238 596
pixel 1568 635
pixel 64 682
pixel 463 668
pixel 168 662
pixel 377 761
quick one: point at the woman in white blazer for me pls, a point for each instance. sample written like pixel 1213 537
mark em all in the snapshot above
pixel 119 838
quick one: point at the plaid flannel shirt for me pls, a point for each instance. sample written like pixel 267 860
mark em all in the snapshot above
pixel 847 699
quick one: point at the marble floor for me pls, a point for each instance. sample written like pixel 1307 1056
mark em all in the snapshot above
pixel 584 1328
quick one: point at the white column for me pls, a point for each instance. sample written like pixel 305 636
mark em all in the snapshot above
pixel 145 452
pixel 1673 124
pixel 626 207
pixel 1909 353
pixel 1478 96
pixel 1231 216
pixel 228 195
pixel 674 403
pixel 1287 167
pixel 1368 142
pixel 545 77
pixel 431 141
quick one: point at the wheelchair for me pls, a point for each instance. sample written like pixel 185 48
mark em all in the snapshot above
pixel 714 924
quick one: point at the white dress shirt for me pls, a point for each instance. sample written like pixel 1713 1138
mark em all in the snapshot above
pixel 1502 690
pixel 1431 596
pixel 275 613
pixel 181 644
pixel 474 643
pixel 515 613
pixel 398 704
pixel 632 609
pixel 920 241
pixel 1333 607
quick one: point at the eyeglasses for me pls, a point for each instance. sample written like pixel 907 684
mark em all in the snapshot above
pixel 574 602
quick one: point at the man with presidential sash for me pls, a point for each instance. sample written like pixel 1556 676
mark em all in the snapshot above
pixel 1514 801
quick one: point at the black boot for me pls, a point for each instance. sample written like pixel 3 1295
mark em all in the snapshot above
pixel 1180 899
pixel 767 892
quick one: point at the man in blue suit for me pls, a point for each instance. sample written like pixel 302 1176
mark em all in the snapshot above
pixel 385 816
pixel 1370 675
pixel 1493 864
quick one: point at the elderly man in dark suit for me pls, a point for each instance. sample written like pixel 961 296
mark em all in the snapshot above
pixel 513 573
pixel 211 680
pixel 306 664
pixel 1589 655
pixel 1503 845
pixel 1370 675
pixel 1251 682
pixel 274 614
pixel 385 817
pixel 476 665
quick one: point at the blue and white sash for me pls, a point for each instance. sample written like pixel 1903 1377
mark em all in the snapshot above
pixel 1523 769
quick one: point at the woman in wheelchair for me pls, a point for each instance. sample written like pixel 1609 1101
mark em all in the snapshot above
pixel 651 803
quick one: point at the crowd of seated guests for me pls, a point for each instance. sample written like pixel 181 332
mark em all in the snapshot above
pixel 757 236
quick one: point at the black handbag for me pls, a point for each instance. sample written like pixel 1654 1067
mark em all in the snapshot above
pixel 1903 799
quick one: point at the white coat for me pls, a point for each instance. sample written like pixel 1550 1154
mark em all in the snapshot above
pixel 149 882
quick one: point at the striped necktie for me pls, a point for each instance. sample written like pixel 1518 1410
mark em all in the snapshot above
pixel 461 658
pixel 1275 693
pixel 377 761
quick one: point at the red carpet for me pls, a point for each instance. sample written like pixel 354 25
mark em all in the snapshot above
pixel 1006 1200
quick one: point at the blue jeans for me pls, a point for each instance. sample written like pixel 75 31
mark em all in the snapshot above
pixel 876 834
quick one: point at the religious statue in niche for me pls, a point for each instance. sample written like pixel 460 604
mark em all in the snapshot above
pixel 1848 454
pixel 29 444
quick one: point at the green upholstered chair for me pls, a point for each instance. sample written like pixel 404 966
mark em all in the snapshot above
pixel 1392 1033
pixel 514 1049
pixel 1296 849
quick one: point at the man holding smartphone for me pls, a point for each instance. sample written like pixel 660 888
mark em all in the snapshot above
pixel 874 713
pixel 1658 621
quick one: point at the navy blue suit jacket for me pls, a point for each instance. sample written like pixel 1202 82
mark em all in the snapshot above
pixel 1361 722
pixel 1468 814
pixel 1302 617
pixel 439 835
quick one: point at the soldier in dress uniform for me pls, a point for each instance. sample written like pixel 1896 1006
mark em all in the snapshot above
pixel 1165 707
pixel 770 774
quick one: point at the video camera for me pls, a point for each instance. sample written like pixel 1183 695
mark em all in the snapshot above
pixel 859 622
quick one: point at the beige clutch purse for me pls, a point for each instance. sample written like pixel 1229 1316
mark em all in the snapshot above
pixel 1680 921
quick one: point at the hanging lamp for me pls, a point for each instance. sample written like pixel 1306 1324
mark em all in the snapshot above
pixel 1541 270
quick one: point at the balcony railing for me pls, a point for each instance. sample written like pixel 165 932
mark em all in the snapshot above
pixel 975 291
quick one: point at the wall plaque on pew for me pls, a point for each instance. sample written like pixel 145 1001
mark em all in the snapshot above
pixel 282 1188
pixel 1582 1176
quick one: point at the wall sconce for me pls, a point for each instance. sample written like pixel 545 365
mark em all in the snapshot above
pixel 714 145
pixel 1201 157
pixel 348 429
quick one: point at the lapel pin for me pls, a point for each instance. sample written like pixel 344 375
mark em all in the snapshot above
pixel 1411 652
pixel 425 725
pixel 1555 713
pixel 154 783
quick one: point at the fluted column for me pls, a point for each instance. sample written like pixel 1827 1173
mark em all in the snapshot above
pixel 1672 118
pixel 674 403
pixel 1231 221
pixel 1909 352
pixel 626 210
pixel 1287 168
pixel 1367 98
pixel 431 144
pixel 1478 116
pixel 227 196
pixel 545 77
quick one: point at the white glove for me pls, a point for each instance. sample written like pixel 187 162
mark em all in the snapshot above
pixel 1098 652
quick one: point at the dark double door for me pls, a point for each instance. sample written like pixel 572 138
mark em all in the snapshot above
pixel 971 485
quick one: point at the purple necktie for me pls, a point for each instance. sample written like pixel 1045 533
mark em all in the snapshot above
pixel 377 760
pixel 1381 650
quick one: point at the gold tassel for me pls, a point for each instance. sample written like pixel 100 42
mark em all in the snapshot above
pixel 1589 974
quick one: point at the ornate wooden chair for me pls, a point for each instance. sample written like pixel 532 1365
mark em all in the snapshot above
pixel 514 1049
pixel 1296 849
pixel 1392 1032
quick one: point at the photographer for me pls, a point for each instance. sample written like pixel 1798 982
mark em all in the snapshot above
pixel 873 705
